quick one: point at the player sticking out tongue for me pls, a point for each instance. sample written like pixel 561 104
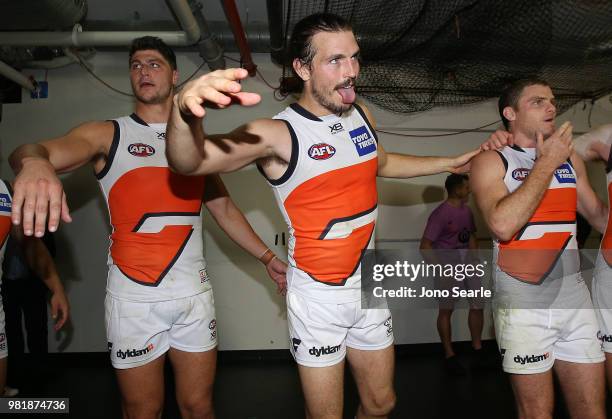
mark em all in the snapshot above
pixel 347 91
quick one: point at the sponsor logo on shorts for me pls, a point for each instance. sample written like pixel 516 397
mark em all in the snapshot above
pixel 141 150
pixel 564 174
pixel 389 324
pixel 295 342
pixel 134 353
pixel 213 327
pixel 324 350
pixel 604 338
pixel 5 202
pixel 520 174
pixel 321 151
pixel 2 341
pixel 110 346
pixel 502 352
pixel 531 359
pixel 363 141
pixel 203 276
pixel 336 128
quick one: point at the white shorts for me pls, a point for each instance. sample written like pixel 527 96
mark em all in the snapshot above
pixel 138 333
pixel 602 300
pixel 320 332
pixel 530 340
pixel 3 344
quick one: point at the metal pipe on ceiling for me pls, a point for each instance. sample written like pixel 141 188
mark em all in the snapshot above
pixel 15 76
pixel 231 12
pixel 79 38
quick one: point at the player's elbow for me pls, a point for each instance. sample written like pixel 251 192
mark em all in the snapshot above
pixel 501 228
pixel 183 166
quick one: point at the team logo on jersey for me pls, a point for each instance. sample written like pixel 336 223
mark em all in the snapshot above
pixel 520 174
pixel 321 151
pixel 295 342
pixel 141 150
pixel 5 202
pixel 213 329
pixel 389 324
pixel 364 142
pixel 203 276
pixel 564 174
pixel 336 128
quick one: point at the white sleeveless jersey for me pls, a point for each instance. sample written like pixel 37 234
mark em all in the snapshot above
pixel 544 251
pixel 606 242
pixel 5 220
pixel 328 198
pixel 156 249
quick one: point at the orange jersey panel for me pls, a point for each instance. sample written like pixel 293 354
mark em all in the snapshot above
pixel 531 260
pixel 142 195
pixel 5 229
pixel 321 206
pixel 606 242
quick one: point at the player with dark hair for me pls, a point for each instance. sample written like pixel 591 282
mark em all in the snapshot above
pixel 159 299
pixel 529 194
pixel 321 157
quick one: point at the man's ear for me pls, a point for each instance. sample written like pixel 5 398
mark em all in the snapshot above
pixel 509 113
pixel 175 76
pixel 301 69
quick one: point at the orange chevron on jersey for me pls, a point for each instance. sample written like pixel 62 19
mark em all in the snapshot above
pixel 5 229
pixel 146 256
pixel 534 250
pixel 333 217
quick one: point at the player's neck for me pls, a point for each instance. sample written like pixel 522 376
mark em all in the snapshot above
pixel 523 140
pixel 154 113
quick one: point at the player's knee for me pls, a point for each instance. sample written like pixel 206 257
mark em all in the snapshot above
pixel 196 408
pixel 149 410
pixel 380 404
pixel 535 411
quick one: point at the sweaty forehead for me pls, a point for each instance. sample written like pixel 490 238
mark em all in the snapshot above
pixel 147 55
pixel 538 91
pixel 334 43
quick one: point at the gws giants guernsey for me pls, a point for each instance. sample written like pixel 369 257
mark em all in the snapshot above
pixel 548 241
pixel 606 242
pixel 328 198
pixel 5 219
pixel 156 249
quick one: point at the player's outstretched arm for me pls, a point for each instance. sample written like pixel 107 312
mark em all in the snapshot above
pixel 191 151
pixel 38 193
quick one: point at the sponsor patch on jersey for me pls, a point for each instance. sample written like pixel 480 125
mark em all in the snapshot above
pixel 363 141
pixel 5 202
pixel 141 150
pixel 520 174
pixel 564 174
pixel 321 151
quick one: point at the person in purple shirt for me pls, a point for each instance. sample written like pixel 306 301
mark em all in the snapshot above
pixel 451 227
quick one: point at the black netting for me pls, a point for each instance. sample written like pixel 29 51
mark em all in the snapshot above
pixel 419 54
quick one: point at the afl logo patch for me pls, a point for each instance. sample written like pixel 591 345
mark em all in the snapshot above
pixel 520 174
pixel 321 151
pixel 141 150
